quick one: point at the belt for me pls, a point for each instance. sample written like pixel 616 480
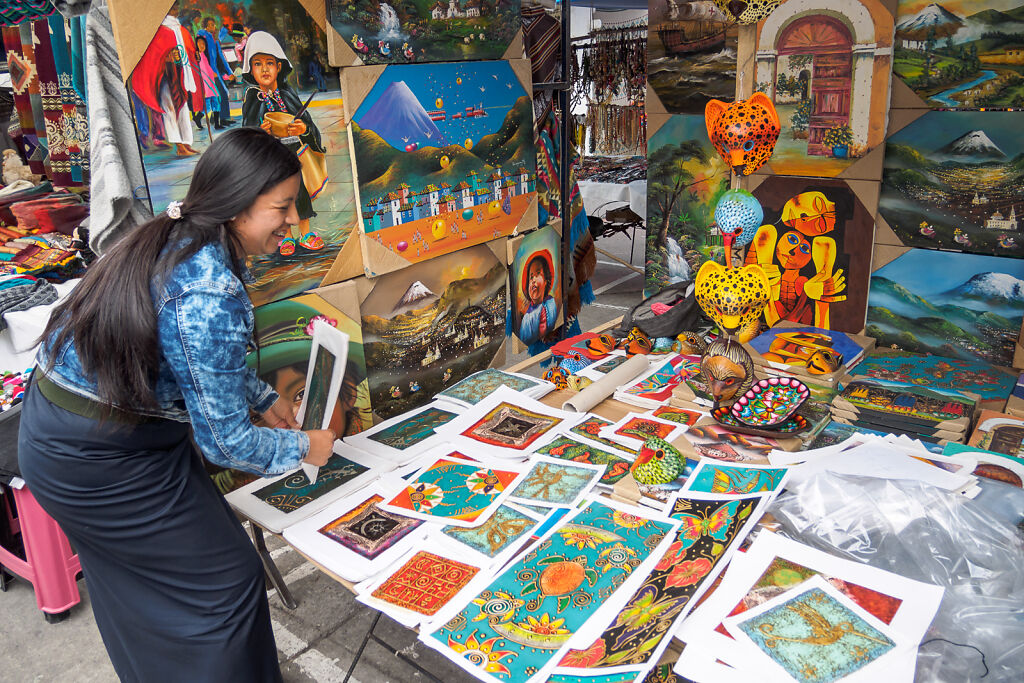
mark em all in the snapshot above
pixel 82 405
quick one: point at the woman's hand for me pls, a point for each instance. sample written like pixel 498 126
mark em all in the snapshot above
pixel 321 445
pixel 281 415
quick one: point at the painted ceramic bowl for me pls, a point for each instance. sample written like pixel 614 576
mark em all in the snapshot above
pixel 770 401
pixel 789 427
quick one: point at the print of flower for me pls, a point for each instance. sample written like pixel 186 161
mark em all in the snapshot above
pixel 329 321
pixel 424 496
pixel 481 653
pixel 689 572
pixel 484 482
pixel 543 626
pixel 579 539
pixel 584 659
pixel 671 556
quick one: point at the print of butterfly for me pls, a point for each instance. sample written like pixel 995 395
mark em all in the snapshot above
pixel 716 526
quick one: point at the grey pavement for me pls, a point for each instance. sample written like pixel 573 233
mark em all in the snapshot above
pixel 316 642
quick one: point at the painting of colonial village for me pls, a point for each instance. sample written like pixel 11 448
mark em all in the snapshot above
pixel 962 54
pixel 691 54
pixel 955 180
pixel 444 156
pixel 685 178
pixel 403 31
pixel 431 325
pixel 966 306
pixel 181 104
pixel 828 75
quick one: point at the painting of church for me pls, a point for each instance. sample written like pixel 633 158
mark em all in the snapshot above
pixel 826 67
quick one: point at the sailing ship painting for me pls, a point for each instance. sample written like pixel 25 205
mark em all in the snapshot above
pixel 691 56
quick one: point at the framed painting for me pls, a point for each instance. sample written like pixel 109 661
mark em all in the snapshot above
pixel 354 537
pixel 536 279
pixel 966 306
pixel 828 74
pixel 443 155
pixel 1000 433
pixel 429 326
pixel 452 490
pixel 950 182
pixel 182 102
pixel 403 32
pixel 816 246
pixel 285 499
pixel 685 179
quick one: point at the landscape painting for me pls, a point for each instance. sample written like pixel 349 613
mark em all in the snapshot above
pixel 691 54
pixel 181 103
pixel 954 180
pixel 444 156
pixel 428 326
pixel 403 31
pixel 685 178
pixel 955 305
pixel 828 74
pixel 815 246
pixel 962 54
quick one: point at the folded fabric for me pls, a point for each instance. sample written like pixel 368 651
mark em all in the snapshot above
pixel 39 293
pixel 27 325
pixel 57 213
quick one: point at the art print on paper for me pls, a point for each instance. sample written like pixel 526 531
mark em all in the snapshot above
pixel 428 326
pixel 951 181
pixel 960 55
pixel 607 366
pixel 509 426
pixel 532 609
pixel 536 278
pixel 453 490
pixel 815 637
pixel 673 414
pixel 718 443
pixel 401 32
pixel 295 490
pixel 567 448
pixel 425 583
pixel 641 429
pixel 554 483
pixel 414 430
pixel 939 373
pixel 367 530
pixel 828 74
pixel 710 527
pixel 591 427
pixel 658 385
pixel 249 63
pixel 712 478
pixel 685 179
pixel 815 246
pixel 444 156
pixel 505 527
pixel 954 305
pixel 474 389
pixel 316 402
pixel 691 55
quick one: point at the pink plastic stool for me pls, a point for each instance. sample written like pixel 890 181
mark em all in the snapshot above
pixel 49 564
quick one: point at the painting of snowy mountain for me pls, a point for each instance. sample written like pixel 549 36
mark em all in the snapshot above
pixel 953 180
pixel 962 54
pixel 954 305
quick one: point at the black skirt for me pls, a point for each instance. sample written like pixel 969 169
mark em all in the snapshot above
pixel 176 587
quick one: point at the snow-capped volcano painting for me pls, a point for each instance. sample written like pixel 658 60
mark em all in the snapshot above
pixel 955 305
pixel 953 180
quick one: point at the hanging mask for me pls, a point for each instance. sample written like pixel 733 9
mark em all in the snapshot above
pixel 744 132
pixel 732 297
pixel 747 12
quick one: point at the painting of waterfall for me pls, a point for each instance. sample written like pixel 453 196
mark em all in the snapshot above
pixel 404 31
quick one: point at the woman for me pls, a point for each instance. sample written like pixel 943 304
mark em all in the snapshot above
pixel 146 353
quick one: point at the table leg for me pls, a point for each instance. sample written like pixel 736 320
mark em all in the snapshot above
pixel 270 568
pixel 371 635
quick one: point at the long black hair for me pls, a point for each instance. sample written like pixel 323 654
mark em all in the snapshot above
pixel 110 314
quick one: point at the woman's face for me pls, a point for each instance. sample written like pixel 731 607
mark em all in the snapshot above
pixel 264 70
pixel 262 226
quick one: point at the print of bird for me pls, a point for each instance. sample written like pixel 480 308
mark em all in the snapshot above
pixel 658 462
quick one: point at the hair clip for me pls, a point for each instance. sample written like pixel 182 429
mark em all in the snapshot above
pixel 174 210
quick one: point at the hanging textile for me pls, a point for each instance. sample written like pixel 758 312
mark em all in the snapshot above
pixel 23 79
pixel 14 12
pixel 541 36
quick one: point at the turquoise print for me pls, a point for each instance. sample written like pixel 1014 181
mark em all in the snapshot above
pixel 413 430
pixel 554 483
pixel 532 609
pixel 505 527
pixel 816 638
pixel 476 388
pixel 726 479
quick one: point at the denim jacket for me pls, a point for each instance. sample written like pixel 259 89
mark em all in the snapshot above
pixel 204 323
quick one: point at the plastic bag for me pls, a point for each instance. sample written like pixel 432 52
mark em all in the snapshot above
pixel 927 534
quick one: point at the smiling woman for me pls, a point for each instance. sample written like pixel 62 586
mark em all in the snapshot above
pixel 147 355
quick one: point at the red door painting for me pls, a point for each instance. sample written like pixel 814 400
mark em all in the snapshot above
pixel 828 42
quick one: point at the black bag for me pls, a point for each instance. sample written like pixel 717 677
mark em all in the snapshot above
pixel 683 316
